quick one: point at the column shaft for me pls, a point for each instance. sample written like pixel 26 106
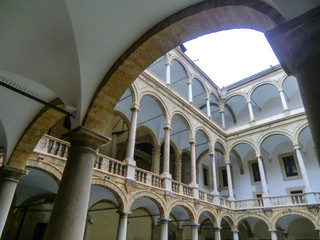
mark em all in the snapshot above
pixel 208 107
pixel 235 235
pixel 166 157
pixel 250 111
pixel 217 235
pixel 283 99
pixel 194 231
pixel 223 121
pixel 263 177
pixel 168 73
pixel 69 211
pixel 273 234
pixel 213 173
pixel 132 135
pixel 303 170
pixel 230 187
pixel 193 162
pixel 9 178
pixel 164 229
pixel 122 227
pixel 190 91
pixel 156 160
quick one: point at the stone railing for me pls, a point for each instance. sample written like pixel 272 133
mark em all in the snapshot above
pixel 288 200
pixel 110 165
pixel 249 203
pixel 49 145
pixel 58 149
pixel 181 188
pixel 149 178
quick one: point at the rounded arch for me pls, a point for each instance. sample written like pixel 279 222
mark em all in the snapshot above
pixel 229 219
pixel 185 119
pixel 221 142
pixel 241 141
pixel 281 80
pixel 307 215
pixel 154 197
pixel 206 135
pixel 134 92
pixel 240 94
pixel 215 94
pixel 278 132
pixel 260 84
pixel 183 64
pixel 123 116
pixel 252 215
pixel 158 99
pixel 201 81
pixel 298 131
pixel 186 206
pixel 154 140
pixel 179 27
pixel 205 209
pixel 116 190
pixel 47 168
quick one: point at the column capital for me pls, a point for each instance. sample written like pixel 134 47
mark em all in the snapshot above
pixel 296 147
pixel 124 213
pixel 259 156
pixel 295 40
pixel 280 90
pixel 227 161
pixel 192 141
pixel 221 111
pixel 167 126
pixel 212 152
pixel 168 64
pixel 135 107
pixel 272 230
pixel 217 228
pixel 189 82
pixel 12 173
pixel 249 101
pixel 165 220
pixel 85 138
pixel 235 231
pixel 195 225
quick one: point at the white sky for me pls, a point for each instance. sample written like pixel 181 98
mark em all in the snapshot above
pixel 232 55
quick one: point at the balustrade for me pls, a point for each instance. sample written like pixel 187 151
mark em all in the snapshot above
pixel 52 146
pixel 295 199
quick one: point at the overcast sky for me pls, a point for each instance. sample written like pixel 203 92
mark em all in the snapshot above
pixel 229 56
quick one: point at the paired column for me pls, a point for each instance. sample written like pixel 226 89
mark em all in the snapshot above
pixel 168 80
pixel 213 173
pixel 230 187
pixel 208 107
pixel 122 227
pixel 235 234
pixel 9 178
pixel 190 91
pixel 164 229
pixel 250 111
pixel 69 211
pixel 223 121
pixel 296 44
pixel 166 158
pixel 305 177
pixel 131 164
pixel 283 100
pixel 194 231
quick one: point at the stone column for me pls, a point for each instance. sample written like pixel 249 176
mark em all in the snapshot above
pixel 273 233
pixel 70 208
pixel 164 229
pixel 304 174
pixel 213 173
pixel 296 44
pixel 114 145
pixel 263 177
pixel 193 169
pixel 194 231
pixel 178 168
pixel 9 178
pixel 208 107
pixel 190 91
pixel 250 111
pixel 131 164
pixel 156 159
pixel 179 233
pixel 223 121
pixel 168 65
pixel 166 159
pixel 283 100
pixel 217 235
pixel 122 227
pixel 235 234
pixel 230 187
